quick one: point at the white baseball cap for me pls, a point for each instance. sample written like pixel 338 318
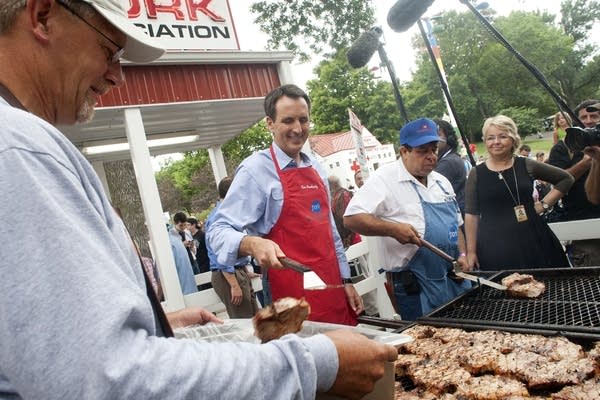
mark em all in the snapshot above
pixel 139 47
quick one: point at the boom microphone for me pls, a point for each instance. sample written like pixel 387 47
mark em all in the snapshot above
pixel 364 47
pixel 405 13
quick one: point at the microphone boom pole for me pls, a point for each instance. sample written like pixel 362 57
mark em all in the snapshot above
pixel 385 60
pixel 562 105
pixel 446 91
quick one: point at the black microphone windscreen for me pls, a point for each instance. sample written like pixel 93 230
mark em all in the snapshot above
pixel 405 13
pixel 364 47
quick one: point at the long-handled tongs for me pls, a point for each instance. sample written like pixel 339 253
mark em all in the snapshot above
pixel 456 267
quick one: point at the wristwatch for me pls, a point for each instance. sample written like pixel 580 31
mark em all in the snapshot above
pixel 545 206
pixel 345 281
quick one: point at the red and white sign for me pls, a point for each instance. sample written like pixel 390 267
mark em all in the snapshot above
pixel 356 128
pixel 185 24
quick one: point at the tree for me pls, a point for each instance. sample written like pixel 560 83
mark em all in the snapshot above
pixel 527 119
pixel 308 26
pixel 578 76
pixel 339 87
pixel 125 196
pixel 189 184
pixel 578 18
pixel 485 78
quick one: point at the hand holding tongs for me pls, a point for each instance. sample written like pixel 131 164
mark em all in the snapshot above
pixel 456 267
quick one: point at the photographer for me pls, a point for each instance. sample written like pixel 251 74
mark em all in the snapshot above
pixel 578 164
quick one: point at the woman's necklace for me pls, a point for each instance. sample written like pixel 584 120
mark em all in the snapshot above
pixel 499 172
pixel 519 209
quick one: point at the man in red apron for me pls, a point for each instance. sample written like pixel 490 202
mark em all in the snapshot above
pixel 278 205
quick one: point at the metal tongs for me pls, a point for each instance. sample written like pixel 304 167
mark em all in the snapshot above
pixel 456 268
pixel 310 277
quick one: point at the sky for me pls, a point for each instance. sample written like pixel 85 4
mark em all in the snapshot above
pixel 398 46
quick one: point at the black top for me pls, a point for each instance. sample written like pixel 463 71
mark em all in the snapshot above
pixel 452 167
pixel 503 242
pixel 201 252
pixel 576 202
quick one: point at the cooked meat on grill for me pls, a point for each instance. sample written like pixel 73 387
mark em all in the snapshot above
pixel 555 348
pixel 594 353
pixel 490 387
pixel 404 361
pixel 437 375
pixel 552 375
pixel 518 364
pixel 424 347
pixel 516 278
pixel 448 335
pixel 446 363
pixel 416 394
pixel 280 318
pixel 523 286
pixel 421 331
pixel 589 390
pixel 479 359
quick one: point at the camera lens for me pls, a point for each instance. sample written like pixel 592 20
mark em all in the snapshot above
pixel 577 139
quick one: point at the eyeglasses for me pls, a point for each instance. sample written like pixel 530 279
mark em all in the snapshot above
pixel 499 138
pixel 113 56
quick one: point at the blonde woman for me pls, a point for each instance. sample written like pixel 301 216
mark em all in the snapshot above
pixel 503 225
pixel 561 122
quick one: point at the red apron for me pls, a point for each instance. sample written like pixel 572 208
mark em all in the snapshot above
pixel 303 232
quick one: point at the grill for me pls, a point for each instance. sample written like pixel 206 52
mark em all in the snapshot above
pixel 570 306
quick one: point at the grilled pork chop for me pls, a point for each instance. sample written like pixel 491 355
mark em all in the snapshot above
pixel 488 387
pixel 443 363
pixel 589 390
pixel 284 316
pixel 523 286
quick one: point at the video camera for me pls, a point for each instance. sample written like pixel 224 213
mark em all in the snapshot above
pixel 579 138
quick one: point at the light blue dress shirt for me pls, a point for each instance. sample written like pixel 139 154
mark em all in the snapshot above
pixel 253 205
pixel 212 257
pixel 182 263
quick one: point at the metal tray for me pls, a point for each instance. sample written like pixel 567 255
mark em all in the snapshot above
pixel 570 306
pixel 242 330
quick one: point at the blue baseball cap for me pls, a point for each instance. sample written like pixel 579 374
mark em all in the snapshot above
pixel 419 132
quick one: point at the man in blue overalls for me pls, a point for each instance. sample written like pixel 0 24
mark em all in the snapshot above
pixel 403 202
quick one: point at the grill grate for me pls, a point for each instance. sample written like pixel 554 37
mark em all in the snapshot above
pixel 569 306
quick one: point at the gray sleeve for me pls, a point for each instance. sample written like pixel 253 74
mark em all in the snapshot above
pixel 471 203
pixel 76 323
pixel 559 178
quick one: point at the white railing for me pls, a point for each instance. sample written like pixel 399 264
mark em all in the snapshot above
pixel 374 281
pixel 577 230
pixel 208 298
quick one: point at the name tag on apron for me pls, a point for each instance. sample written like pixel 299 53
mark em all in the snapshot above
pixel 520 213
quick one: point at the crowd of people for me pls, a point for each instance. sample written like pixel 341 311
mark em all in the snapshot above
pixel 82 318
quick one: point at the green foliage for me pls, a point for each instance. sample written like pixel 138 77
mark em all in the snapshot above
pixel 485 78
pixel 189 184
pixel 255 138
pixel 578 18
pixel 339 87
pixel 305 26
pixel 180 172
pixel 527 119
